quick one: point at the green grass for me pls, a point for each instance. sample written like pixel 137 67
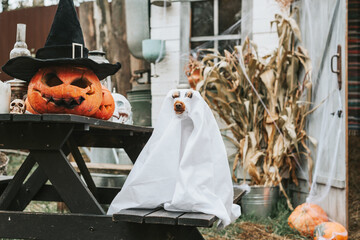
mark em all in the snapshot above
pixel 15 161
pixel 277 223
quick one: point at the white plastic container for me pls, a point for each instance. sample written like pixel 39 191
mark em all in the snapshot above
pixel 5 96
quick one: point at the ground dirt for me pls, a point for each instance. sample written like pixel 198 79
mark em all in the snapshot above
pixel 247 231
pixel 354 187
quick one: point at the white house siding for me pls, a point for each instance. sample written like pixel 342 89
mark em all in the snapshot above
pixel 262 12
pixel 165 25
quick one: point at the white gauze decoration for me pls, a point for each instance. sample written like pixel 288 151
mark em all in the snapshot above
pixel 183 166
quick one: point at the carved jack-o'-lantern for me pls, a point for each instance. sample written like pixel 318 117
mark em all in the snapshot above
pixel 65 89
pixel 29 108
pixel 107 105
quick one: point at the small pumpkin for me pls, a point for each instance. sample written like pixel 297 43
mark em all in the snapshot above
pixel 306 217
pixel 193 72
pixel 65 89
pixel 107 106
pixel 330 231
pixel 193 77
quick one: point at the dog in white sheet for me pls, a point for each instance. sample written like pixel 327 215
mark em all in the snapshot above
pixel 184 165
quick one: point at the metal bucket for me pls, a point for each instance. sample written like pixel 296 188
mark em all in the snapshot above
pixel 140 100
pixel 260 201
pixel 108 180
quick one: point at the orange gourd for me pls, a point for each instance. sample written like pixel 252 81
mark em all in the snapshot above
pixel 65 89
pixel 306 217
pixel 107 106
pixel 330 231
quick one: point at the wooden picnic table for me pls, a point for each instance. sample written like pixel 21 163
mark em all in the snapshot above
pixel 50 138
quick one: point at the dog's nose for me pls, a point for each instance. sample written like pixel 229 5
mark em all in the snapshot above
pixel 178 106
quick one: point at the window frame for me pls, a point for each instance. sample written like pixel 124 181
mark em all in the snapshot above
pixel 186 39
pixel 217 36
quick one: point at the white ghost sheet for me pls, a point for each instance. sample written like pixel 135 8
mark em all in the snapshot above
pixel 183 166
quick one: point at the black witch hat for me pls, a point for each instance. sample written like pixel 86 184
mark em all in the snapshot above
pixel 64 45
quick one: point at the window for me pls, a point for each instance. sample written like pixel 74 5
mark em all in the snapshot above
pixel 215 24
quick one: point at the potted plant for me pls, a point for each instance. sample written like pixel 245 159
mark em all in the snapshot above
pixel 264 104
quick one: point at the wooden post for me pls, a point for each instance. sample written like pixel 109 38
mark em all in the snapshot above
pixel 104 28
pixel 119 49
pixel 86 13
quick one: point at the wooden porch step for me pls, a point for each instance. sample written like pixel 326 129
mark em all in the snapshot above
pixel 5 179
pixel 106 168
pixel 161 216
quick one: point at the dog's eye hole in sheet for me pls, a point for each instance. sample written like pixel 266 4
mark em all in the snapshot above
pixel 189 94
pixel 176 94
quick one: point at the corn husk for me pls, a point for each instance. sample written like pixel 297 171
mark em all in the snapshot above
pixel 267 125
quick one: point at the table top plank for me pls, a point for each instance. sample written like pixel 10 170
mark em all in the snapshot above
pixel 133 215
pixel 26 118
pixel 6 117
pixel 93 122
pixel 238 194
pixel 197 219
pixel 71 118
pixel 49 117
pixel 163 217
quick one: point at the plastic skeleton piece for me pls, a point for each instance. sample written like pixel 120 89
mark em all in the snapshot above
pixel 17 106
pixel 122 113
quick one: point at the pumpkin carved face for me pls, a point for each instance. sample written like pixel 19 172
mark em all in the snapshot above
pixel 107 105
pixel 65 89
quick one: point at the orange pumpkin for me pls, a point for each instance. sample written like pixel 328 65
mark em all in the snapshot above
pixel 193 77
pixel 65 89
pixel 107 106
pixel 29 108
pixel 330 231
pixel 306 217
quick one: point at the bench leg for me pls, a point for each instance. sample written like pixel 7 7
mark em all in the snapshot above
pixel 67 182
pixel 82 166
pixel 15 184
pixel 28 190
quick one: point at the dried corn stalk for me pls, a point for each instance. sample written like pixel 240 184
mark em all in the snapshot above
pixel 270 140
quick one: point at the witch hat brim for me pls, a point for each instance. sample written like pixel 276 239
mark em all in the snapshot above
pixel 25 67
pixel 61 48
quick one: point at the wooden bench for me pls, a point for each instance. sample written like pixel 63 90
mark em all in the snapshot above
pixel 158 215
pixel 161 216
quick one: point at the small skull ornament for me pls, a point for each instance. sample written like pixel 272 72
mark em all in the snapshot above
pixel 122 113
pixel 17 106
